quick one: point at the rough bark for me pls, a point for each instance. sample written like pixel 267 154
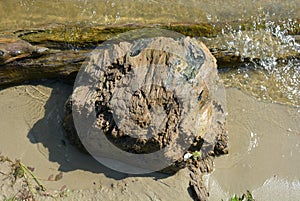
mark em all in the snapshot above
pixel 193 116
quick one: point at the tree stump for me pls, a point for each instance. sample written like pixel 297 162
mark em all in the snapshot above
pixel 140 105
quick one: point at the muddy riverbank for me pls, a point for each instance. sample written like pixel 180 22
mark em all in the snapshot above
pixel 256 44
pixel 31 118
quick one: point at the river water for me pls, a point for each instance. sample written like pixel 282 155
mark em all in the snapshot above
pixel 22 14
pixel 263 95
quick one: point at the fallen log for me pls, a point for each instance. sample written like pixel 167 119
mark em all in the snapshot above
pixel 59 51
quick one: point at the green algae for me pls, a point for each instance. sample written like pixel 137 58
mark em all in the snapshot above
pixel 80 35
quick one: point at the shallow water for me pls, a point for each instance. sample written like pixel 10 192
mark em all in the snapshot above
pixel 24 14
pixel 264 76
pixel 279 83
pixel 264 149
pixel 263 117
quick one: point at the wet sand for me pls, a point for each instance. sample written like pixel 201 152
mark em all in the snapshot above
pixel 265 162
pixel 31 131
pixel 264 150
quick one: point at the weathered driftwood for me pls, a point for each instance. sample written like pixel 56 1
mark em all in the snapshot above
pixel 150 102
pixel 54 64
pixel 27 62
pixel 58 51
pixel 12 48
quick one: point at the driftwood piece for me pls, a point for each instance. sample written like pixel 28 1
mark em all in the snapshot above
pixel 31 66
pixel 58 51
pixel 12 48
pixel 63 63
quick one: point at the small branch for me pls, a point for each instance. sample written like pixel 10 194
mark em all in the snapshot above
pixel 33 176
pixel 3 173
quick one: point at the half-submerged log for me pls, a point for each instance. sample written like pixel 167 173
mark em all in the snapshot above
pixel 59 51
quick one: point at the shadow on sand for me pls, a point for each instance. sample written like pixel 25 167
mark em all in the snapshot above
pixel 50 133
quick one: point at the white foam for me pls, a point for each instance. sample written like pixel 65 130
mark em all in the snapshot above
pixel 278 189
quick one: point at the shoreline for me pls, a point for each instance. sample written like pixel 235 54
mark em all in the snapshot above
pixel 31 116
